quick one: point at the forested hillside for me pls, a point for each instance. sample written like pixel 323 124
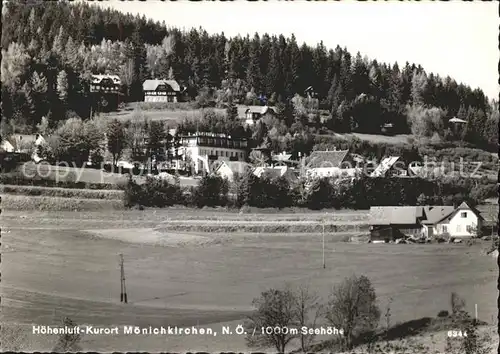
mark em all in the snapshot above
pixel 49 50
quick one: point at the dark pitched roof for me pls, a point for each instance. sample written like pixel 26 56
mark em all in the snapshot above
pixel 463 206
pixel 325 159
pixel 152 85
pixel 434 214
pixel 401 215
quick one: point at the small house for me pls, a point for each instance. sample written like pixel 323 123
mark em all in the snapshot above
pixel 276 172
pixel 105 83
pixel 163 91
pixel 334 163
pixel 464 221
pixel 254 113
pixel 230 170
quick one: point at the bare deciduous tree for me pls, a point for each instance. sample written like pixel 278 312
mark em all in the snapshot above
pixel 353 308
pixel 275 309
pixel 308 311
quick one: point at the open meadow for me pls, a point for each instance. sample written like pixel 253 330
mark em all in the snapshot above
pixel 194 267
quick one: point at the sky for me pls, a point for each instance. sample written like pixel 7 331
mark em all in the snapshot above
pixel 456 38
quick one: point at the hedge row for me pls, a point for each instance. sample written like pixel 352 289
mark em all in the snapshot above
pixel 45 182
pixel 106 194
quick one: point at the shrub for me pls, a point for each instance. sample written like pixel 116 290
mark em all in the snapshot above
pixel 443 313
pixel 154 192
pixel 211 191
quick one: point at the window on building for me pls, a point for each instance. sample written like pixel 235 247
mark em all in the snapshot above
pixel 459 228
pixel 463 214
pixel 444 228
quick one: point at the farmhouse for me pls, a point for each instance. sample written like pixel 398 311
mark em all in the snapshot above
pixel 463 221
pixel 254 113
pixel 163 91
pixel 231 169
pixel 334 163
pixel 390 223
pixel 203 148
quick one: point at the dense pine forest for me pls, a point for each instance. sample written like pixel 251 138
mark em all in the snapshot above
pixel 50 49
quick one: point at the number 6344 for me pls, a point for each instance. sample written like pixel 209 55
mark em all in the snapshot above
pixel 457 334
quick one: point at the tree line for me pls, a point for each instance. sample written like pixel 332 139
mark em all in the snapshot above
pixel 46 64
pixel 316 194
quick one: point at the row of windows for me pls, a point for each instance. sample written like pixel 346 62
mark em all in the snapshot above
pixel 160 99
pixel 159 93
pixel 103 88
pixel 221 142
pixel 469 228
pixel 221 153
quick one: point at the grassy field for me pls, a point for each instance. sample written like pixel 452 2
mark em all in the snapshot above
pixel 83 175
pixel 168 115
pixel 66 264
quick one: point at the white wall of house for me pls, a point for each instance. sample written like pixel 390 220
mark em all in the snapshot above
pixel 462 222
pixel 199 153
pixel 225 172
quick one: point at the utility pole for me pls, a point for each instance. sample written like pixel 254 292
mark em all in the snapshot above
pixel 123 290
pixel 324 264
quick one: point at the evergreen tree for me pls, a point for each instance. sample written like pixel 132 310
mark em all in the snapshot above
pixel 253 75
pixel 62 86
pixel 274 74
pixel 292 74
pixel 231 110
pixel 58 45
pixel 115 136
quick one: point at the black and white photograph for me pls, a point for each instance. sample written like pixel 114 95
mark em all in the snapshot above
pixel 249 177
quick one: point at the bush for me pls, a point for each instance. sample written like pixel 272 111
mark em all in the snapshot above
pixel 443 313
pixel 154 192
pixel 211 191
